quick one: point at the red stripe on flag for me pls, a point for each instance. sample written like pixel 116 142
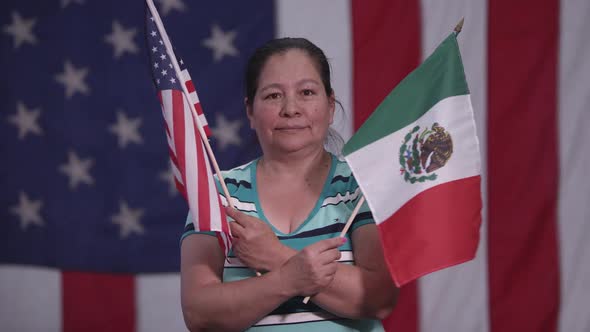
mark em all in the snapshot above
pixel 421 242
pixel 404 317
pixel 203 186
pixel 523 165
pixel 179 132
pixel 205 125
pixel 98 302
pixel 190 87
pixel 387 46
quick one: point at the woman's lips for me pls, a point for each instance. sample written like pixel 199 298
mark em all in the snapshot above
pixel 286 128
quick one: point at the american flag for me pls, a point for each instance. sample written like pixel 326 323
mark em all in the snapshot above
pixel 87 191
pixel 188 157
pixel 73 69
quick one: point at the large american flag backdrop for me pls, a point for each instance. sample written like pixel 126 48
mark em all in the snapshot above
pixel 89 217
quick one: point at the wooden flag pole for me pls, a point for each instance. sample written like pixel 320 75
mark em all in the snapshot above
pixel 459 26
pixel 346 227
pixel 174 62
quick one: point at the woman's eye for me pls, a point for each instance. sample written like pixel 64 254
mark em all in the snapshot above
pixel 308 92
pixel 274 95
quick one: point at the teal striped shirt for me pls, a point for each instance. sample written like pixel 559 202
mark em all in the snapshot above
pixel 327 219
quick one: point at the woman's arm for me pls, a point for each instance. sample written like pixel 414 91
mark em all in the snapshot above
pixel 210 305
pixel 363 290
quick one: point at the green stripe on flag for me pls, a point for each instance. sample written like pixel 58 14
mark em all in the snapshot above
pixel 440 76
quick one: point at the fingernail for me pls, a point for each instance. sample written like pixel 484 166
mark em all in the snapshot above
pixel 344 240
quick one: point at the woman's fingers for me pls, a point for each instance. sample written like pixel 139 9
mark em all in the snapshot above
pixel 236 229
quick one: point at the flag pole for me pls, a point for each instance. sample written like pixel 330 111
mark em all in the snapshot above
pixel 174 62
pixel 346 227
pixel 459 26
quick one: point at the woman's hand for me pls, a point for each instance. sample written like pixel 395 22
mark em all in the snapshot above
pixel 255 244
pixel 313 268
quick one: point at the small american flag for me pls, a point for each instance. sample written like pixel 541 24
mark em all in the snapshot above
pixel 190 163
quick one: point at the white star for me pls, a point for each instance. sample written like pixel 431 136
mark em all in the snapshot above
pixel 126 129
pixel 28 211
pixel 164 72
pixel 156 65
pixel 168 177
pixel 128 220
pixel 26 121
pixel 154 33
pixel 221 43
pixel 21 30
pixel 77 170
pixel 168 5
pixel 122 39
pixel 65 3
pixel 172 80
pixel 73 80
pixel 226 132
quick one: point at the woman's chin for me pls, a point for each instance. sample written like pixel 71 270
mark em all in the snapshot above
pixel 295 145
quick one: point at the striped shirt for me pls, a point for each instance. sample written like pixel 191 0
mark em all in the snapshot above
pixel 327 219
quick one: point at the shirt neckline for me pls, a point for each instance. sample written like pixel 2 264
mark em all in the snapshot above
pixel 311 214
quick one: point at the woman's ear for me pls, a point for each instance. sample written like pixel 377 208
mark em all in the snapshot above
pixel 249 112
pixel 332 103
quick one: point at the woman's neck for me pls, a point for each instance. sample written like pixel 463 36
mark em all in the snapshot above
pixel 298 164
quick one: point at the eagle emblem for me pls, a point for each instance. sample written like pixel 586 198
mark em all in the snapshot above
pixel 423 152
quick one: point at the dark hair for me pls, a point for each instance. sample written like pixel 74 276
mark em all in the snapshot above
pixel 278 46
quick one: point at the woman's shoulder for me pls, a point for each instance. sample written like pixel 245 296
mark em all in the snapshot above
pixel 239 177
pixel 342 180
pixel 341 170
pixel 241 172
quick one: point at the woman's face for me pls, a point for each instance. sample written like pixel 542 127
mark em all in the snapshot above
pixel 290 111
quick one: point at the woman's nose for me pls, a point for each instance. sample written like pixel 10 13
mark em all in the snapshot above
pixel 290 107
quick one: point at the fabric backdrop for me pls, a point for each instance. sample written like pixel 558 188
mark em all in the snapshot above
pixel 89 218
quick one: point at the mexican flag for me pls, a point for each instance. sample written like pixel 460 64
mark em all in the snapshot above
pixel 417 161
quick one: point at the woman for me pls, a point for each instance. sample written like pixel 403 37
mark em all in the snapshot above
pixel 293 203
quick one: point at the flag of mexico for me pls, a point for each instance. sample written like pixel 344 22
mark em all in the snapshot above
pixel 416 159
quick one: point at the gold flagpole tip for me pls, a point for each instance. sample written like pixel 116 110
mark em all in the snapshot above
pixel 459 25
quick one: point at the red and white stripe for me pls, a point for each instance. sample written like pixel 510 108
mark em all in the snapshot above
pixel 528 71
pixel 194 99
pixel 190 163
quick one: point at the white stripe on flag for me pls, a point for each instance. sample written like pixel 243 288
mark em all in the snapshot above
pixel 215 213
pixel 158 303
pixel 176 173
pixel 193 97
pixel 456 299
pixel 191 164
pixel 203 120
pixel 574 157
pixel 327 24
pixel 168 117
pixel 30 299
